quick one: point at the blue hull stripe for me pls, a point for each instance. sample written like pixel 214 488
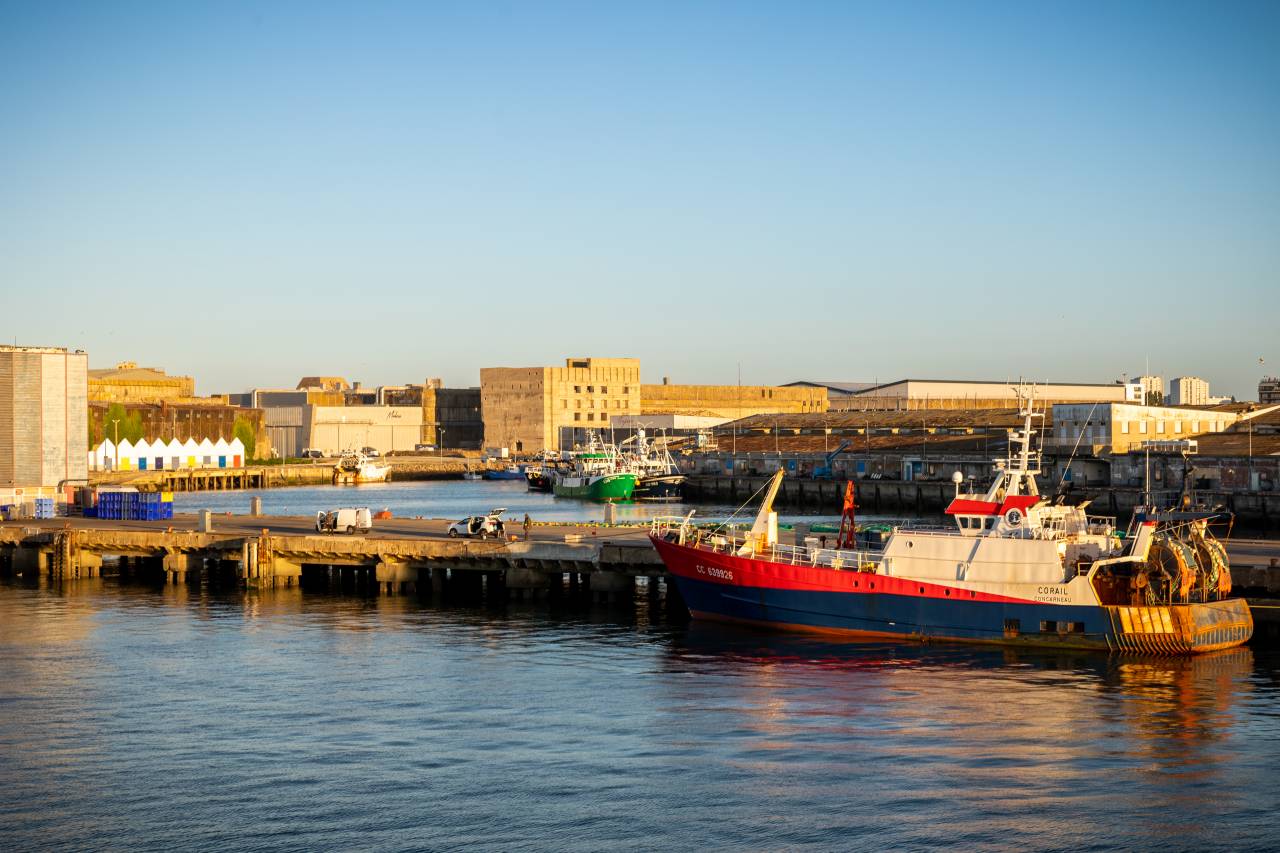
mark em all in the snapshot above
pixel 908 616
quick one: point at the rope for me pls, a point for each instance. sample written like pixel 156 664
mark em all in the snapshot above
pixel 1067 467
pixel 742 507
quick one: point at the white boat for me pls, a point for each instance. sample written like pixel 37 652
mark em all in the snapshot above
pixel 659 478
pixel 354 468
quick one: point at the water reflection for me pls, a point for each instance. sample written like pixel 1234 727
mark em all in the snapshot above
pixel 156 715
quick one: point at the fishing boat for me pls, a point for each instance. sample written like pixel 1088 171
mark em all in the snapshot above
pixel 354 468
pixel 659 476
pixel 1015 568
pixel 539 478
pixel 510 472
pixel 598 473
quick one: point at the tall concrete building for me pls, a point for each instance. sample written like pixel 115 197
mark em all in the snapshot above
pixel 1152 389
pixel 44 418
pixel 1269 389
pixel 1188 391
pixel 528 409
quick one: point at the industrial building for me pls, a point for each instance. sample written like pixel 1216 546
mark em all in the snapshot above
pixel 128 383
pixel 295 421
pixel 914 394
pixel 1188 391
pixel 528 409
pixel 331 416
pixel 43 422
pixel 1119 428
pixel 451 417
pixel 181 421
pixel 730 401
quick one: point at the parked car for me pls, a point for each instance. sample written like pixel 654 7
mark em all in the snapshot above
pixel 480 526
pixel 349 519
pixel 424 448
pixel 312 453
pixel 371 452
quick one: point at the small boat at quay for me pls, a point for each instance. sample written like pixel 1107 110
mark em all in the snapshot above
pixel 354 468
pixel 1017 568
pixel 539 478
pixel 510 472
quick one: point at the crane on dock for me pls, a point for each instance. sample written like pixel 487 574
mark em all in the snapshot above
pixel 823 471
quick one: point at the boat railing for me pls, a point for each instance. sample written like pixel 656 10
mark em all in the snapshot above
pixel 1100 523
pixel 719 541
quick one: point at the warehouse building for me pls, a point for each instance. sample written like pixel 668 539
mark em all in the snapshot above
pixel 730 401
pixel 128 383
pixel 914 394
pixel 1118 428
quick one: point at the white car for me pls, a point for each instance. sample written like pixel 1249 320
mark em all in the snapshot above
pixel 349 519
pixel 481 526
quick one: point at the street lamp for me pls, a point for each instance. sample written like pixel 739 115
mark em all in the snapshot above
pixel 115 423
pixel 440 448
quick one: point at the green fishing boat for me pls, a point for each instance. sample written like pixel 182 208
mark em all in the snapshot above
pixel 600 487
pixel 599 473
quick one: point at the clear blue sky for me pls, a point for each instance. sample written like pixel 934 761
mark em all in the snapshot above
pixel 388 191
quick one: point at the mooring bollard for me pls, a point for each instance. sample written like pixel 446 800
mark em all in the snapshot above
pixel 206 521
pixel 610 513
pixel 255 507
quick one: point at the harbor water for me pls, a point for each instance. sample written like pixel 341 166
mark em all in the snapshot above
pixel 458 498
pixel 136 717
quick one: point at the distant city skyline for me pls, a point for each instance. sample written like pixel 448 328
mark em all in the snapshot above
pixel 839 192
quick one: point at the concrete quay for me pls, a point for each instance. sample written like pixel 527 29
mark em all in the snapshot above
pixel 417 556
pixel 399 556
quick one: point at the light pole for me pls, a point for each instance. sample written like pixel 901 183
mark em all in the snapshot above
pixel 1250 453
pixel 115 423
pixel 440 448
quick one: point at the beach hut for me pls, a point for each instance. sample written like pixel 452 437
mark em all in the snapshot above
pixel 205 457
pixel 103 457
pixel 190 453
pixel 142 455
pixel 126 459
pixel 221 452
pixel 173 454
pixel 235 448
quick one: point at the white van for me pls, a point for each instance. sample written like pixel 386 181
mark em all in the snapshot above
pixel 349 519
